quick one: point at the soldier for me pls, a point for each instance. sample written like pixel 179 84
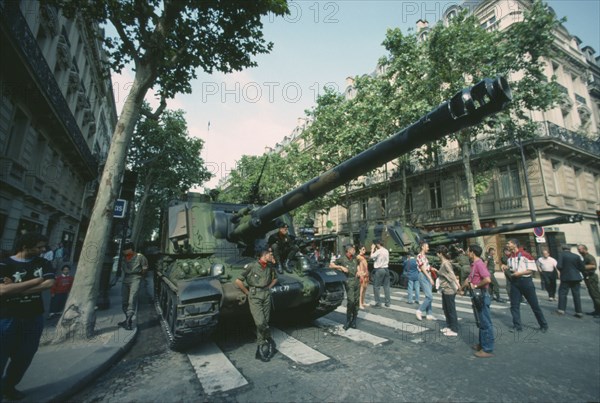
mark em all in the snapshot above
pixel 464 265
pixel 135 266
pixel 590 277
pixel 260 278
pixel 283 248
pixel 349 266
pixel 491 265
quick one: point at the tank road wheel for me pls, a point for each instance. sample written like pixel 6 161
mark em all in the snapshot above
pixel 330 299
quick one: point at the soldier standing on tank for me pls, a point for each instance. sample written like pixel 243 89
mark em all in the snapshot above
pixel 260 278
pixel 283 248
pixel 349 266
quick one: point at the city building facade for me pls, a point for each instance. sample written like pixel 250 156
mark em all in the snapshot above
pixel 561 169
pixel 57 116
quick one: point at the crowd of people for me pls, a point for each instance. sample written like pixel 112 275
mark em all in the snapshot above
pixel 472 272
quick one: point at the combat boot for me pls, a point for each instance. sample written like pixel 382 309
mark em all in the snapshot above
pixel 264 352
pixel 353 321
pixel 287 267
pixel 348 320
pixel 123 323
pixel 279 269
pixel 127 323
pixel 272 347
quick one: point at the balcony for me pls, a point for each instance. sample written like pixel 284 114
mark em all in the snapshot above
pixel 509 203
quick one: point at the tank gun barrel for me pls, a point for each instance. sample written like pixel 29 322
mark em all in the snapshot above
pixel 443 238
pixel 466 108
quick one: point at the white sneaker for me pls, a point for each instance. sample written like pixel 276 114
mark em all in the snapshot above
pixel 444 330
pixel 430 317
pixel 450 333
pixel 419 315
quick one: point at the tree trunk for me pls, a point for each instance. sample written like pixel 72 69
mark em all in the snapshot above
pixel 139 217
pixel 79 318
pixel 465 150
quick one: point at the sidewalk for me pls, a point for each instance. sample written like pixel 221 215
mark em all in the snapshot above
pixel 59 371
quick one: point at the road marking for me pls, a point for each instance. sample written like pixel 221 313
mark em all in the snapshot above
pixel 382 320
pixel 296 350
pixel 214 371
pixel 352 334
pixel 437 298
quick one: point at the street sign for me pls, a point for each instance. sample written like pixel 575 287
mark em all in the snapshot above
pixel 540 239
pixel 120 208
pixel 538 231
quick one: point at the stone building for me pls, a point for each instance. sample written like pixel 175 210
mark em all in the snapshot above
pixel 57 115
pixel 562 162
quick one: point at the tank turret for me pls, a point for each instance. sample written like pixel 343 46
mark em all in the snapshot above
pixel 206 244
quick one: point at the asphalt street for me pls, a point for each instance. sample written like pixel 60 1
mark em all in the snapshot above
pixel 390 357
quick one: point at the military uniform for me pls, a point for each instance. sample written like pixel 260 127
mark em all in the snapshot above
pixel 258 279
pixel 464 265
pixel 352 286
pixel 591 281
pixel 283 249
pixel 133 269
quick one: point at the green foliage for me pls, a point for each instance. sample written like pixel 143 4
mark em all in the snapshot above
pixel 168 163
pixel 176 37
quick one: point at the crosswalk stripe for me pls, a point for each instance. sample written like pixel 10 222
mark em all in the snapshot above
pixel 438 298
pixel 296 350
pixel 382 320
pixel 352 334
pixel 214 371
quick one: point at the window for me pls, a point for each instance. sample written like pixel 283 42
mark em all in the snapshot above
pixel 595 236
pixel 383 205
pixel 408 205
pixel 435 195
pixel 364 204
pixel 579 182
pixel 17 135
pixel 556 177
pixel 463 190
pixel 510 183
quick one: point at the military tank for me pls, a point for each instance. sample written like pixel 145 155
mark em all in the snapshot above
pixel 401 241
pixel 205 245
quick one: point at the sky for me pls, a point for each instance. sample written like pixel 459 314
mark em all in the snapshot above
pixel 320 43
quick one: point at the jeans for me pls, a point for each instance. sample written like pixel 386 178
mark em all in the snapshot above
pixel 382 277
pixel 524 286
pixel 20 341
pixel 413 285
pixel 486 329
pixel 563 291
pixel 549 280
pixel 426 287
pixel 449 307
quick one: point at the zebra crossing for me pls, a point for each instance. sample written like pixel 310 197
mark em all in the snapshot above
pixel 218 374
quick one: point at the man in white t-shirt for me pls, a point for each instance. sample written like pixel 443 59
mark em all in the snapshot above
pixel 381 273
pixel 546 265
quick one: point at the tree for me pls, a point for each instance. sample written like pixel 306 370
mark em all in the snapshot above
pixel 167 162
pixel 166 41
pixel 460 53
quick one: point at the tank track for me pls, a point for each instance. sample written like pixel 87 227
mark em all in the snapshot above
pixel 332 297
pixel 166 303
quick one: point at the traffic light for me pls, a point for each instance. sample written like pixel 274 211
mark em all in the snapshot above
pixel 128 185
